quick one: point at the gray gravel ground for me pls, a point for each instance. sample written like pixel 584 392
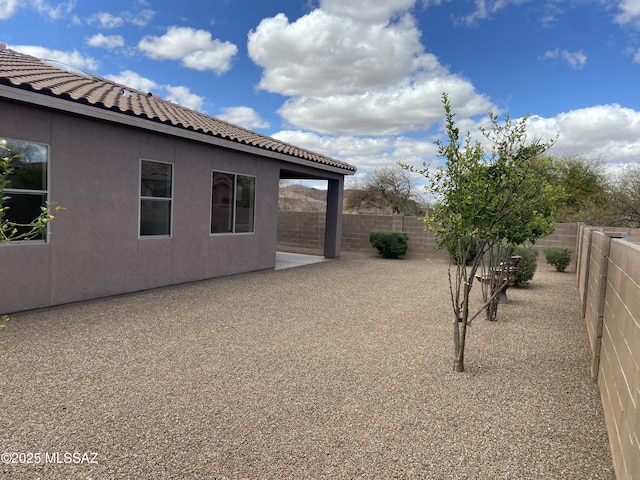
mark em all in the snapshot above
pixel 336 370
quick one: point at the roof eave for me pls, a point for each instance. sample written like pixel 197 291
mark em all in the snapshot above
pixel 92 111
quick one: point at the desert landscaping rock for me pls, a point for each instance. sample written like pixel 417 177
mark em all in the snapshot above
pixel 341 369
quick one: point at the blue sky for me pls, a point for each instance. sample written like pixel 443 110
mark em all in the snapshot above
pixel 360 80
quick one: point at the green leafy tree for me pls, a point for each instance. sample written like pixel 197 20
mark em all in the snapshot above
pixel 502 198
pixel 11 231
pixel 584 183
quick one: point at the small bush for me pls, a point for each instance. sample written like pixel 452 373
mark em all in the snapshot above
pixel 390 244
pixel 528 265
pixel 559 257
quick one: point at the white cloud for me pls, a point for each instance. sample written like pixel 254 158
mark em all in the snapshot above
pixel 244 116
pixel 176 94
pixel 609 131
pixel 321 53
pixel 363 115
pixel 356 78
pixel 366 153
pixel 61 10
pixel 341 147
pixel 105 41
pixel 434 3
pixel 139 19
pixel 576 60
pixel 106 20
pixel 8 8
pixel 369 11
pixel 414 105
pixel 485 8
pixel 73 58
pixel 134 80
pixel 605 131
pixel 183 96
pixel 629 12
pixel 636 56
pixel 195 48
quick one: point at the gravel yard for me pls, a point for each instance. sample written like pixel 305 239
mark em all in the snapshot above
pixel 341 369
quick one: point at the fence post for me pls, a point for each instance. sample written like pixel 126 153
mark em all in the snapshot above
pixel 595 293
pixel 578 250
pixel 585 261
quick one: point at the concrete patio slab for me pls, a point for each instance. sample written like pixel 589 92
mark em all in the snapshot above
pixel 289 260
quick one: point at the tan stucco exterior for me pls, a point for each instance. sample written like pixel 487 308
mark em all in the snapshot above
pixel 94 249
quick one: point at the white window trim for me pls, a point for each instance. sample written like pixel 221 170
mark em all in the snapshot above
pixel 167 199
pixel 47 193
pixel 235 189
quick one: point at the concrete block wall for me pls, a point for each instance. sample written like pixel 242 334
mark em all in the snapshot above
pixel 563 236
pixel 304 231
pixel 301 231
pixel 632 234
pixel 356 229
pixel 619 373
pixel 612 312
pixel 422 243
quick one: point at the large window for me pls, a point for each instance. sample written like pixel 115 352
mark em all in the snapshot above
pixel 156 195
pixel 27 189
pixel 232 203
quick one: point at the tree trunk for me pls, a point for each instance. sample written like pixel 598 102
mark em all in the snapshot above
pixel 496 287
pixel 458 362
pixel 460 332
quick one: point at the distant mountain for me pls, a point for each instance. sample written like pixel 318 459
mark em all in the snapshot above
pixel 298 198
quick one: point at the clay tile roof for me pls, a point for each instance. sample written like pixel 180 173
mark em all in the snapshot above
pixel 57 80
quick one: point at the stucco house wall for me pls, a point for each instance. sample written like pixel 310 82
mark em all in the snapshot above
pixel 94 248
pixel 98 135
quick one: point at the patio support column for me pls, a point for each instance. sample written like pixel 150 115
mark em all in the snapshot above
pixel 333 222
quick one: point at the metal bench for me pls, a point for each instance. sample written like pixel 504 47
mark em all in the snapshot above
pixel 501 277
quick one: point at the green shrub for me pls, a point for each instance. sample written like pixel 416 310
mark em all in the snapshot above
pixel 528 264
pixel 390 243
pixel 469 246
pixel 559 257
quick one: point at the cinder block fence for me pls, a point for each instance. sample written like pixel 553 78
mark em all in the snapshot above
pixel 304 231
pixel 608 272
